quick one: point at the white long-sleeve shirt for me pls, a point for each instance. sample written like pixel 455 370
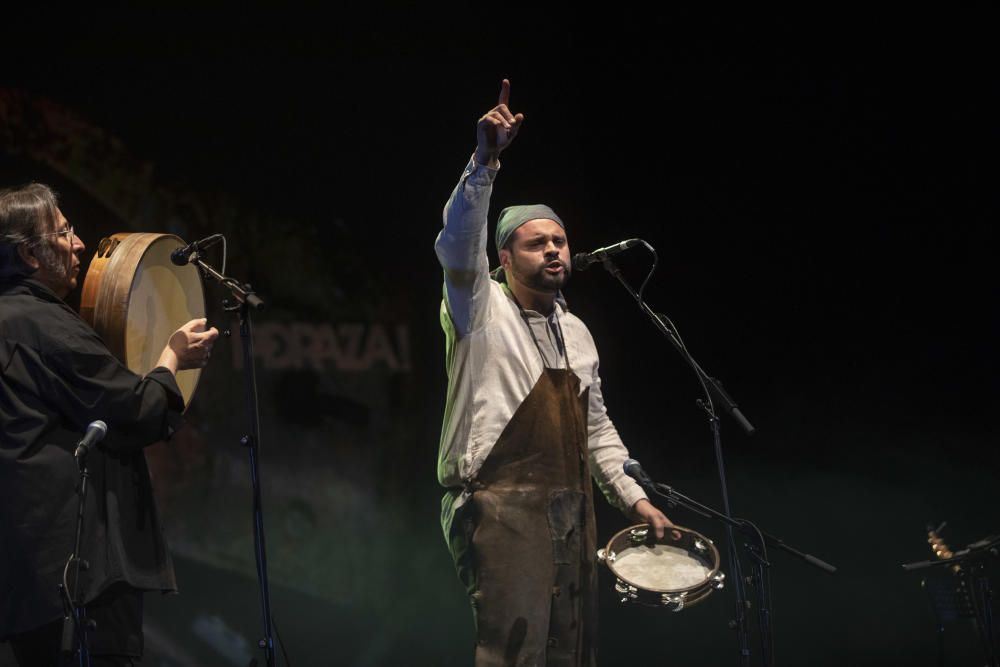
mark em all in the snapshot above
pixel 493 361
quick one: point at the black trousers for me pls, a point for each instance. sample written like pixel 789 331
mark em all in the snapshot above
pixel 116 641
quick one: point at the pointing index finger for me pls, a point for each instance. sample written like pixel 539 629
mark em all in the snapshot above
pixel 504 92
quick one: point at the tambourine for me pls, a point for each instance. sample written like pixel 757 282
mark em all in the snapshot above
pixel 667 572
pixel 135 298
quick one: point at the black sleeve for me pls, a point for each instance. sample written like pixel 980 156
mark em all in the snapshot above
pixel 87 382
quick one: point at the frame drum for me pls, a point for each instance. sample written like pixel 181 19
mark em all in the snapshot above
pixel 135 298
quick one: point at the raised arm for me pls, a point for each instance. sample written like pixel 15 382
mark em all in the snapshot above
pixel 461 245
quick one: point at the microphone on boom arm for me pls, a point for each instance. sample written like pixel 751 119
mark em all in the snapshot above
pixel 582 260
pixel 182 255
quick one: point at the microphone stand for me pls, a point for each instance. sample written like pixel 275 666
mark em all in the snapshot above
pixel 75 612
pixel 712 390
pixel 757 548
pixel 245 300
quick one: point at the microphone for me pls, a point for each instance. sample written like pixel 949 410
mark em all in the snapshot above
pixel 582 260
pixel 182 256
pixel 95 433
pixel 634 470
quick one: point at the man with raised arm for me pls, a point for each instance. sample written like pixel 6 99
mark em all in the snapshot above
pixel 525 425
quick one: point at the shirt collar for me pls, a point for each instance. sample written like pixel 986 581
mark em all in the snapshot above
pixel 26 285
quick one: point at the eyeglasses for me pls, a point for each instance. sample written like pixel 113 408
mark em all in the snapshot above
pixel 68 233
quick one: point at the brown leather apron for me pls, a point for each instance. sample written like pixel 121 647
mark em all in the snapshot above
pixel 524 542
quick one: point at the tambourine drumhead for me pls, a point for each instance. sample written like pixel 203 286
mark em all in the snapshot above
pixel 135 298
pixel 661 567
pixel 672 572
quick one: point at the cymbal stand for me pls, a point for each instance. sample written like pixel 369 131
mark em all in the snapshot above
pixel 972 568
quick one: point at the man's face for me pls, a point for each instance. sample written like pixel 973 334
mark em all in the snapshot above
pixel 538 255
pixel 57 258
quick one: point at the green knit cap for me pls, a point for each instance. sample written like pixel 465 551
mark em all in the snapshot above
pixel 513 217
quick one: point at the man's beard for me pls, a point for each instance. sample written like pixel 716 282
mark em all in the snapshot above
pixel 544 282
pixel 50 260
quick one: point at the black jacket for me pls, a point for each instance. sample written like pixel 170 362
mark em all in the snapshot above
pixel 56 377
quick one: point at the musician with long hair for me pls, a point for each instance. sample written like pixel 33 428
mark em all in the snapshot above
pixel 56 377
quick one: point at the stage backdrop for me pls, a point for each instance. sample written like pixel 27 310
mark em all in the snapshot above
pixel 823 225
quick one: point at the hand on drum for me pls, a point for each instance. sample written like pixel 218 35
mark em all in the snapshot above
pixel 189 347
pixel 644 512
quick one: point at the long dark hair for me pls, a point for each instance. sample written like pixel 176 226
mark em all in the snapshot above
pixel 26 212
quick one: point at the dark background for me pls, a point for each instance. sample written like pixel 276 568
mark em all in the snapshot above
pixel 821 192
